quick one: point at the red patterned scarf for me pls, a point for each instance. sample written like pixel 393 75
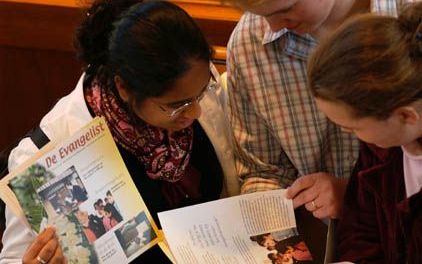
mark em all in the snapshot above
pixel 165 155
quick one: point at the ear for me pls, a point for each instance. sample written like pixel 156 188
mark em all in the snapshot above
pixel 408 115
pixel 121 89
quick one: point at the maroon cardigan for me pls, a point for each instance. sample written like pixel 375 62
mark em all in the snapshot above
pixel 379 224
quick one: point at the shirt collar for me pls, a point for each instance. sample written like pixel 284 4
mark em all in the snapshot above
pixel 270 36
pixel 294 45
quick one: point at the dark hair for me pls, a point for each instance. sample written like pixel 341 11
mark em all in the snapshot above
pixel 371 63
pixel 273 257
pixel 109 208
pixel 148 44
pixel 259 238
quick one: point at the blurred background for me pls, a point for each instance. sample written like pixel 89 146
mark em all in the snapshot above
pixel 38 64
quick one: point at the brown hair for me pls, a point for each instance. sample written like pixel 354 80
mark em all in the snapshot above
pixel 371 63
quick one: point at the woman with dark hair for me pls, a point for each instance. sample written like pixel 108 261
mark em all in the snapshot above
pixel 149 75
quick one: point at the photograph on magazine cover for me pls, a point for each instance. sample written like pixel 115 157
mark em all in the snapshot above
pixel 24 187
pixel 39 209
pixel 98 215
pixel 283 247
pixel 135 234
pixel 64 193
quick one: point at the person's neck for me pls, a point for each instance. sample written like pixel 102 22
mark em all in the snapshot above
pixel 342 10
pixel 414 147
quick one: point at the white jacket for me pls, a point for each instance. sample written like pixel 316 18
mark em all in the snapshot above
pixel 70 114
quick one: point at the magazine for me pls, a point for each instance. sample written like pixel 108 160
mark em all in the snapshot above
pixel 82 187
pixel 252 228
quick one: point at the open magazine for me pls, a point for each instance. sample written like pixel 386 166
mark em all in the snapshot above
pixel 82 187
pixel 252 228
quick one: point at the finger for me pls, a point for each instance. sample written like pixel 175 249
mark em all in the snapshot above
pixel 40 241
pixel 58 257
pixel 302 183
pixel 331 205
pixel 304 197
pixel 324 209
pixel 321 213
pixel 48 251
pixel 329 211
pixel 311 206
pixel 315 204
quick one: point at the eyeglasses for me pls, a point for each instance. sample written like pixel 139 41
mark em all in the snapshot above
pixel 176 110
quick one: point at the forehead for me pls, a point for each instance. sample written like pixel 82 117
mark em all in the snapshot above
pixel 268 238
pixel 189 85
pixel 270 6
pixel 336 111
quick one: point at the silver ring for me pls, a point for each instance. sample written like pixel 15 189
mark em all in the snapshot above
pixel 314 205
pixel 41 261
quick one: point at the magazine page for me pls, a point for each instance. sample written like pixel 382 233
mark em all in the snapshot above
pixel 252 228
pixel 82 187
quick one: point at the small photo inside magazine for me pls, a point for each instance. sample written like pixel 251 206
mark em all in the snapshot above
pixel 256 228
pixel 82 187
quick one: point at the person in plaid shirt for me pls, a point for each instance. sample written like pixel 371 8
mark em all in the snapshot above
pixel 282 140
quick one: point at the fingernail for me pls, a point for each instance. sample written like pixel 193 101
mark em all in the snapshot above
pixel 52 228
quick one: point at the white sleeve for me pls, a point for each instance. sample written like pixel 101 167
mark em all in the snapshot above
pixel 16 239
pixel 25 150
pixel 67 116
pixel 17 236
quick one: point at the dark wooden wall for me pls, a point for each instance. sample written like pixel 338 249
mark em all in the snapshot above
pixel 38 64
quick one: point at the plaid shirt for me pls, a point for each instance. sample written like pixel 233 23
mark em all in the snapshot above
pixel 279 132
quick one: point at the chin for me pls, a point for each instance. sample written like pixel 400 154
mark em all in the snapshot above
pixel 384 146
pixel 183 127
pixel 380 146
pixel 177 127
pixel 300 30
pixel 182 124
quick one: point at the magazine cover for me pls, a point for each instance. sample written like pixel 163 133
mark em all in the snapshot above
pixel 82 187
pixel 256 228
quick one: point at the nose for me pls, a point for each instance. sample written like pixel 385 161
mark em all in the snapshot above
pixel 193 111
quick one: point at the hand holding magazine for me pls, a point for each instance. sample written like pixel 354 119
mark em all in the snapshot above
pixel 82 187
